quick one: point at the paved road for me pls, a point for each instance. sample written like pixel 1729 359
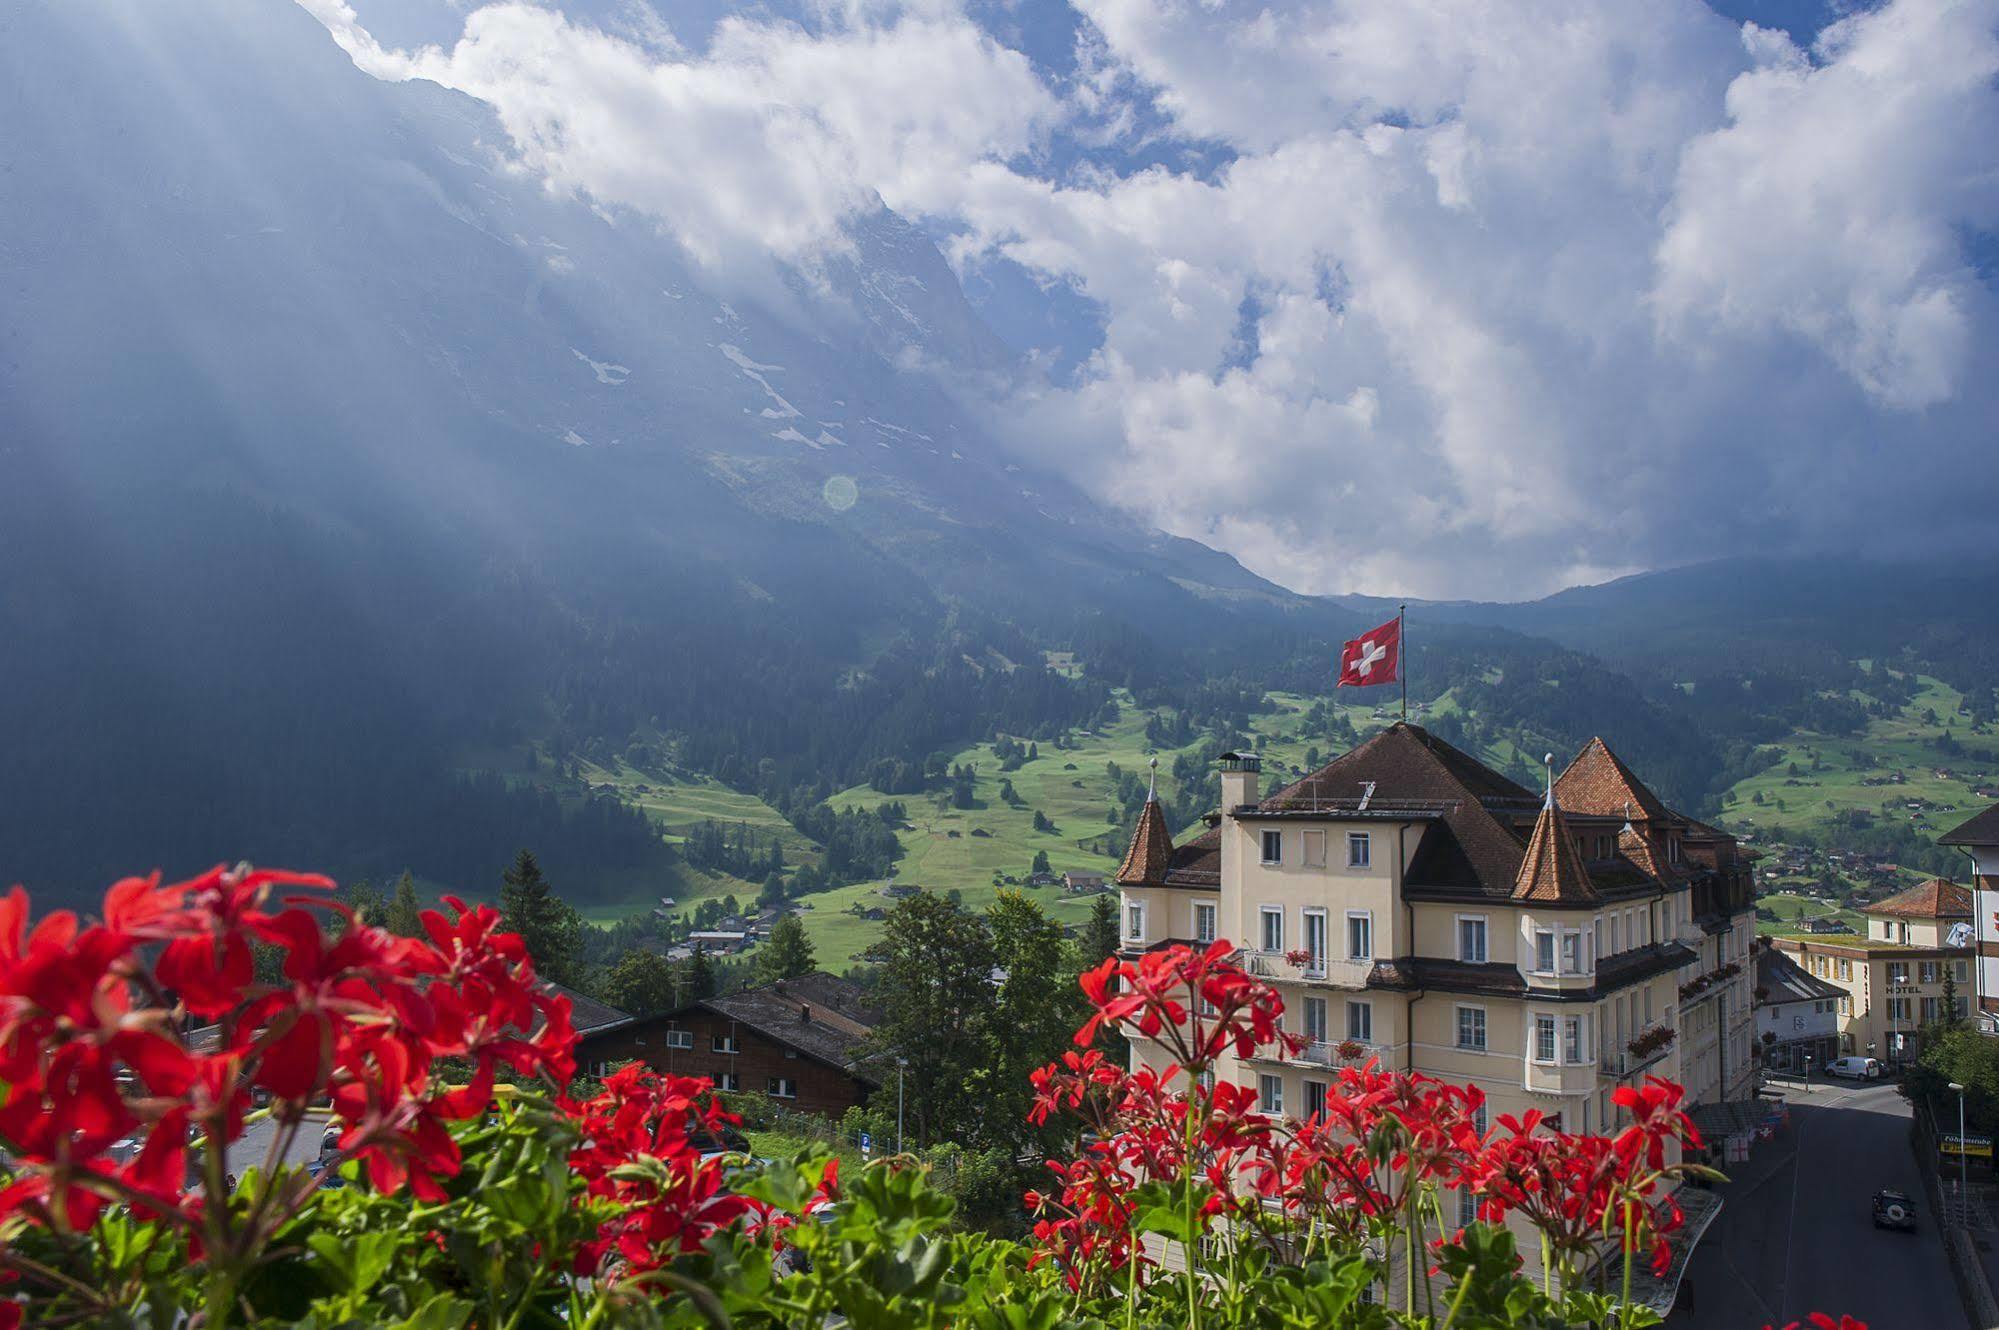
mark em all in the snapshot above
pixel 1795 1234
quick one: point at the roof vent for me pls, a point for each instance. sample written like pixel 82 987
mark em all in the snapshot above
pixel 804 1011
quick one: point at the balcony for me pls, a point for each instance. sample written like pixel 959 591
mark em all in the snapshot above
pixel 1564 1078
pixel 1647 1050
pixel 1300 968
pixel 1341 1053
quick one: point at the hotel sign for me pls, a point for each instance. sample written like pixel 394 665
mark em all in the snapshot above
pixel 1976 1147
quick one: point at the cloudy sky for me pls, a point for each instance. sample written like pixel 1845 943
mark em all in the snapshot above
pixel 1439 296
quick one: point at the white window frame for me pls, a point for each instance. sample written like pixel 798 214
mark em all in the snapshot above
pixel 1315 1090
pixel 776 1087
pixel 1482 1026
pixel 727 1081
pixel 1365 917
pixel 1134 921
pixel 1467 1207
pixel 1544 1022
pixel 1360 849
pixel 1264 914
pixel 1205 914
pixel 1271 837
pixel 1575 1040
pixel 723 1043
pixel 1317 963
pixel 680 1039
pixel 1546 939
pixel 1270 1094
pixel 1484 938
pixel 1317 1022
pixel 1363 1028
pixel 1570 955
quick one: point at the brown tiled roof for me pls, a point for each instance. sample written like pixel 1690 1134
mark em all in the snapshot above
pixel 1938 898
pixel 1471 850
pixel 1198 863
pixel 1598 782
pixel 1552 871
pixel 1980 830
pixel 1151 852
pixel 1633 846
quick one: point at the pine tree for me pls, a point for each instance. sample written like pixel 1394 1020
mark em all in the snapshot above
pixel 548 924
pixel 773 890
pixel 697 977
pixel 641 983
pixel 788 952
pixel 1040 862
pixel 366 900
pixel 404 917
pixel 1037 1008
pixel 1100 936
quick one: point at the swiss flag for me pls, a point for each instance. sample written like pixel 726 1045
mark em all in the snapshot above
pixel 1373 657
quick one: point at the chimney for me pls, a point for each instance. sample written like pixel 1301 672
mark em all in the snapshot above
pixel 1239 778
pixel 805 1011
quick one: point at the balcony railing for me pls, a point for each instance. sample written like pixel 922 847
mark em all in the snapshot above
pixel 1341 1053
pixel 1310 970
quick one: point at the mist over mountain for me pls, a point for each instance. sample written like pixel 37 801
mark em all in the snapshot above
pixel 347 473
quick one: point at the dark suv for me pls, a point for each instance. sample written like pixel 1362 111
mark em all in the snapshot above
pixel 1893 1209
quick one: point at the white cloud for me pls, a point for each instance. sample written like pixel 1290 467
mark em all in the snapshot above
pixel 1828 206
pixel 1537 290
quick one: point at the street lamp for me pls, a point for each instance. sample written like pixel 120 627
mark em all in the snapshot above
pixel 1808 1073
pixel 901 1065
pixel 1963 1161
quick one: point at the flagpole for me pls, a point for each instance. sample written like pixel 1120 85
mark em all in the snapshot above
pixel 1402 653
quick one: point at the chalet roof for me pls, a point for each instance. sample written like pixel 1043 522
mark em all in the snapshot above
pixel 1151 852
pixel 1938 898
pixel 822 1016
pixel 587 1014
pixel 1982 829
pixel 1598 782
pixel 1552 870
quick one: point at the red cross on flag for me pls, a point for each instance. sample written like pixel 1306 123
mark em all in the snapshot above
pixel 1373 657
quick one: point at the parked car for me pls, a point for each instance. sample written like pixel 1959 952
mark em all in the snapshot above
pixel 1863 1069
pixel 1894 1209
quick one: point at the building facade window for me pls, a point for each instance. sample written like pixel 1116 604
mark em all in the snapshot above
pixel 1273 929
pixel 781 1087
pixel 1360 1021
pixel 1845 968
pixel 1315 1020
pixel 1467 1207
pixel 1846 1006
pixel 680 1039
pixel 1273 847
pixel 1204 921
pixel 1575 1047
pixel 1544 1038
pixel 1572 952
pixel 1315 1099
pixel 1928 971
pixel 1898 972
pixel 727 1080
pixel 1544 951
pixel 1471 938
pixel 1315 849
pixel 1134 921
pixel 1471 1028
pixel 722 1043
pixel 1270 1094
pixel 1360 849
pixel 1360 935
pixel 1315 940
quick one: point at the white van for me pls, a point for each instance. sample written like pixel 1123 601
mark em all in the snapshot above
pixel 1864 1069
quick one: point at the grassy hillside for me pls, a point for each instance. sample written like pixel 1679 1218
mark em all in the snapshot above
pixel 1893 770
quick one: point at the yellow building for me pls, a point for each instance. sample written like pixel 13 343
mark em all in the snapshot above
pixel 1894 976
pixel 1415 906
